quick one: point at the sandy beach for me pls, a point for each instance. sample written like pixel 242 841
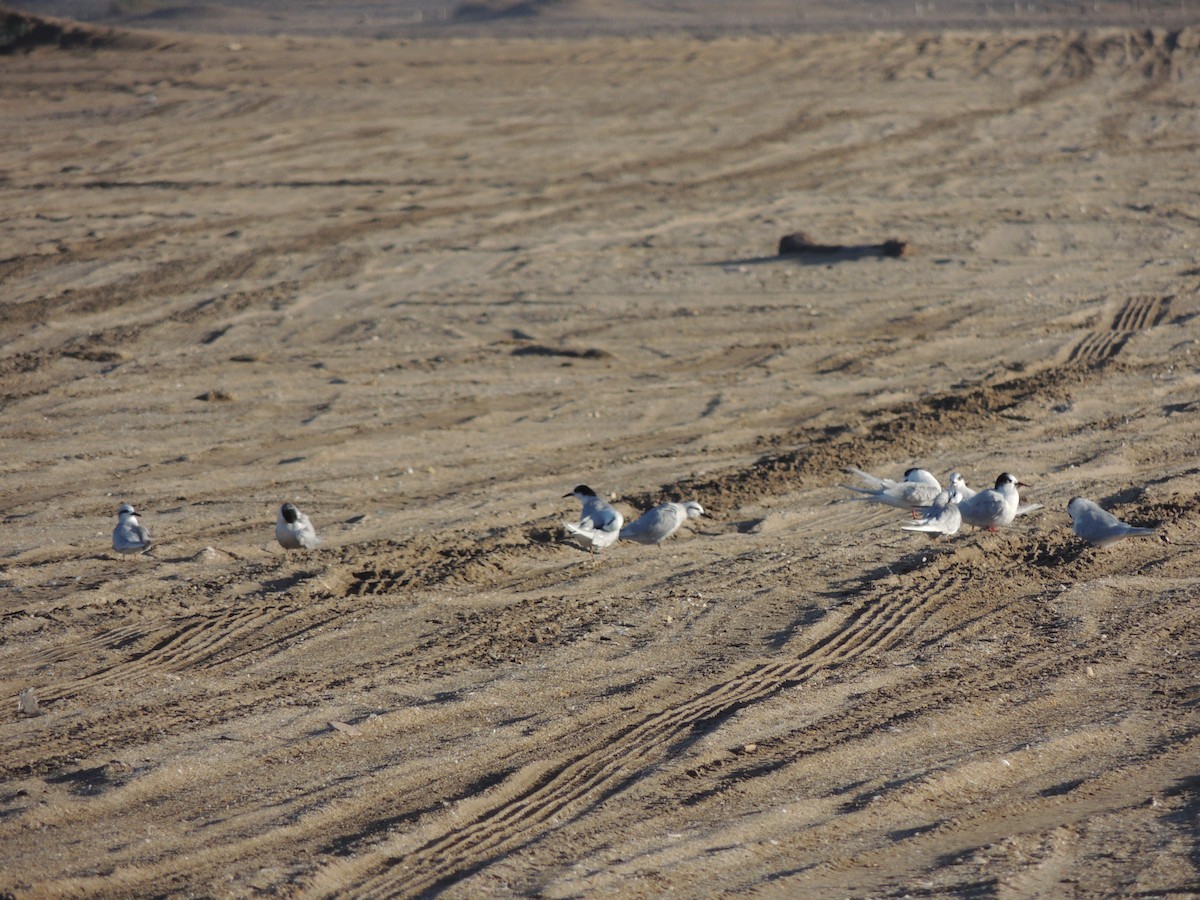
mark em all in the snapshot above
pixel 423 285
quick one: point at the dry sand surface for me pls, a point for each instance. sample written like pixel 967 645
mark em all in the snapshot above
pixel 423 289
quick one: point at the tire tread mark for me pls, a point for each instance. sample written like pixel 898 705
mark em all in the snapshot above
pixel 1135 314
pixel 877 622
pixel 197 638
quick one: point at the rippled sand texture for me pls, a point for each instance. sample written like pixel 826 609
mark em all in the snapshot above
pixel 422 290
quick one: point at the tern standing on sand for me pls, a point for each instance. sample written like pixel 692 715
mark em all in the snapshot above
pixel 599 525
pixel 994 508
pixel 130 536
pixel 957 481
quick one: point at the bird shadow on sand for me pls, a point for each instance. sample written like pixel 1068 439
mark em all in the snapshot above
pixel 284 583
pixel 1124 497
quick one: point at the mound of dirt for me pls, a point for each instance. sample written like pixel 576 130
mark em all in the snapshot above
pixel 24 32
pixel 213 17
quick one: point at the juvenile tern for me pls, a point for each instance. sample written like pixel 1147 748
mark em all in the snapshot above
pixel 293 530
pixel 919 488
pixel 1100 527
pixel 656 525
pixel 957 481
pixel 599 525
pixel 130 536
pixel 994 507
pixel 942 516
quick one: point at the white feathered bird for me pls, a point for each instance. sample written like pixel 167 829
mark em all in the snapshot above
pixel 599 525
pixel 130 535
pixel 293 529
pixel 919 488
pixel 942 516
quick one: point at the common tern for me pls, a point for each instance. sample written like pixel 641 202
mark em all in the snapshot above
pixel 957 480
pixel 919 488
pixel 656 525
pixel 130 535
pixel 1100 527
pixel 942 516
pixel 599 525
pixel 293 530
pixel 995 507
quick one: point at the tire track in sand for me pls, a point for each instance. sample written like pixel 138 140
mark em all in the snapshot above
pixel 1135 314
pixel 539 796
pixel 188 641
pixel 185 643
pixel 533 800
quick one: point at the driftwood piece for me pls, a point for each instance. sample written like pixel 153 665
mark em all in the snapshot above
pixel 799 242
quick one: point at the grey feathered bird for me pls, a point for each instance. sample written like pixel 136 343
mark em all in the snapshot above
pixel 995 507
pixel 942 516
pixel 130 536
pixel 1100 527
pixel 656 525
pixel 599 525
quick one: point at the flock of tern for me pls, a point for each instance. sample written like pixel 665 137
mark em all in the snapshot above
pixel 934 509
pixel 941 511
